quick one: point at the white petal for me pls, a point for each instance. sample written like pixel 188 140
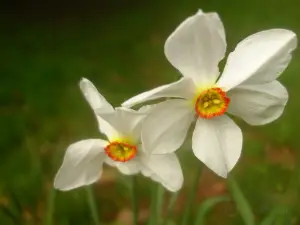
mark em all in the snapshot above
pixel 165 128
pixel 94 98
pixel 130 167
pixel 165 169
pixel 259 58
pixel 258 104
pixel 82 164
pixel 97 101
pixel 147 108
pixel 197 46
pixel 217 143
pixel 110 162
pixel 126 122
pixel 217 23
pixel 184 88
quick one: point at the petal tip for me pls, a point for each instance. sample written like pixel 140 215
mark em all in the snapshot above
pixel 83 83
pixel 83 80
pixel 57 185
pixel 175 189
pixel 200 12
pixel 224 175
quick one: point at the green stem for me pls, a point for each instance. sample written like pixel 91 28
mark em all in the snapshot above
pixel 151 220
pixel 93 205
pixel 50 207
pixel 134 200
pixel 192 196
pixel 159 202
pixel 171 205
pixel 157 197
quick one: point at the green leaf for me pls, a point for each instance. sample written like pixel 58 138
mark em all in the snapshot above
pixel 283 220
pixel 277 215
pixel 207 206
pixel 241 202
pixel 169 222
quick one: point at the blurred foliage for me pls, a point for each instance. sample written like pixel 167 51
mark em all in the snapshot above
pixel 118 45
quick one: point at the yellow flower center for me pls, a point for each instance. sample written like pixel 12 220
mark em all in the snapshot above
pixel 211 102
pixel 120 151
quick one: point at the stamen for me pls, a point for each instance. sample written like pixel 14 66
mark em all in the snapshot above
pixel 205 104
pixel 216 101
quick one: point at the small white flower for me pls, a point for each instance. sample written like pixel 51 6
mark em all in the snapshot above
pixel 247 88
pixel 82 164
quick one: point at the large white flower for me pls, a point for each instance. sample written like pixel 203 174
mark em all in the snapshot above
pixel 247 88
pixel 82 164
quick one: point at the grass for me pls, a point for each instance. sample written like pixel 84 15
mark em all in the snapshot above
pixel 42 110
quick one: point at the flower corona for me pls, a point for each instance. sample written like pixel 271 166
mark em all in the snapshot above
pixel 211 102
pixel 120 151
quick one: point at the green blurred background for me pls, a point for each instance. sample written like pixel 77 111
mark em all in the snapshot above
pixel 47 47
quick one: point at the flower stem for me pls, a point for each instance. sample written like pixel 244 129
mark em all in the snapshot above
pixel 50 207
pixel 159 202
pixel 170 208
pixel 134 200
pixel 152 220
pixel 93 205
pixel 157 197
pixel 191 197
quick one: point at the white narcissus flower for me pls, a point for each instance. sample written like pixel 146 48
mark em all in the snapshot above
pixel 82 164
pixel 247 88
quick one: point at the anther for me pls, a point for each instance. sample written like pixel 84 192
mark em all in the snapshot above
pixel 216 101
pixel 205 104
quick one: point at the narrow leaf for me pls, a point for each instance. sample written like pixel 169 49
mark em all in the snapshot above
pixel 207 206
pixel 277 215
pixel 241 202
pixel 170 222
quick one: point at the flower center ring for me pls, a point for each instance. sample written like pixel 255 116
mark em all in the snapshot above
pixel 120 151
pixel 211 102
